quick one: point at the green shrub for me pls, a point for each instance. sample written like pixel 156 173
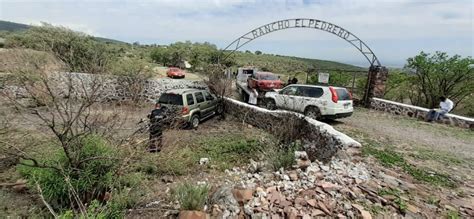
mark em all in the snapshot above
pixel 93 179
pixel 191 197
pixel 282 158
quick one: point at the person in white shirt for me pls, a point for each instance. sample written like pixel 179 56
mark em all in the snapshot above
pixel 253 97
pixel 445 105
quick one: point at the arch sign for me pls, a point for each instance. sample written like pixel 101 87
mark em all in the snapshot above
pixel 304 23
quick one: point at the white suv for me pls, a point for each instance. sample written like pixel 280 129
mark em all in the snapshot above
pixel 314 101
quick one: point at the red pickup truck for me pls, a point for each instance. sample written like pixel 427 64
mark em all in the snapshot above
pixel 264 81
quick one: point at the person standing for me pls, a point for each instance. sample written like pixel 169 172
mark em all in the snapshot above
pixel 253 96
pixel 294 80
pixel 445 105
pixel 156 128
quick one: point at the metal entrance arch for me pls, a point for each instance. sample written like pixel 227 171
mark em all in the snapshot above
pixel 303 23
pixel 377 74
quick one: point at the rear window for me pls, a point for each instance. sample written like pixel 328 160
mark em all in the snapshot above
pixel 190 99
pixel 247 71
pixel 310 91
pixel 342 94
pixel 267 77
pixel 173 99
pixel 199 97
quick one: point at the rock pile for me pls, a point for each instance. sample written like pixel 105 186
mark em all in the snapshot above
pixel 310 190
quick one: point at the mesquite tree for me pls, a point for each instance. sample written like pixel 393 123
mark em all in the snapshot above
pixel 440 75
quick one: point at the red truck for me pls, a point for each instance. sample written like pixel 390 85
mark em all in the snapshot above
pixel 264 81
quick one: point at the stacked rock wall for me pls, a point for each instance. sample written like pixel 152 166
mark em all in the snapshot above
pixel 111 88
pixel 419 112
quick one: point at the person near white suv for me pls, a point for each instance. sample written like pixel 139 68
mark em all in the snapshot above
pixel 315 101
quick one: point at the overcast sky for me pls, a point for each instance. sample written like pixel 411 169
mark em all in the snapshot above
pixel 394 30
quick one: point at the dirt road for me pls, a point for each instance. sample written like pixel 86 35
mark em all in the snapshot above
pixel 459 142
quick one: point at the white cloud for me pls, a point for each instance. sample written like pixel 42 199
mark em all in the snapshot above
pixel 219 21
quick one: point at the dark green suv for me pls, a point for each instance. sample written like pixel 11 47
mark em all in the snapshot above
pixel 195 105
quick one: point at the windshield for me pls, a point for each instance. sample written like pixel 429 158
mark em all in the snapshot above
pixel 173 99
pixel 267 77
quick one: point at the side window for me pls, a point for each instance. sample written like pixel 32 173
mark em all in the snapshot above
pixel 314 92
pixel 209 97
pixel 190 99
pixel 288 91
pixel 199 97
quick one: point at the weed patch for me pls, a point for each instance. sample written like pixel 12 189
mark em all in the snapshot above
pixel 390 158
pixel 228 151
pixel 284 157
pixel 191 197
pixel 401 204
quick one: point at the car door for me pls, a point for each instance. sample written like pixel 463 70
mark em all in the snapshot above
pixel 201 103
pixel 211 102
pixel 285 98
pixel 308 96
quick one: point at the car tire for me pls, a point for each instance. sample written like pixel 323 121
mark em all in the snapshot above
pixel 270 104
pixel 194 123
pixel 219 109
pixel 313 112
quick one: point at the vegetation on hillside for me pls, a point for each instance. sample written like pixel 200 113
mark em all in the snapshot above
pixel 427 77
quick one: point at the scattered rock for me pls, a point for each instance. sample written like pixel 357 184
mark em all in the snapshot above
pixel 303 164
pixel 293 176
pixel 317 212
pixel 302 155
pixel 192 215
pixel 254 167
pixel 365 214
pixel 204 161
pixel 412 208
pixel 167 179
pixel 242 195
pixel 312 203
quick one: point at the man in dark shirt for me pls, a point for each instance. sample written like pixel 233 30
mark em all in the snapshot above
pixel 156 117
pixel 294 80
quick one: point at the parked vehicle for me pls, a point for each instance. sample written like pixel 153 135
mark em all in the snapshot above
pixel 264 81
pixel 174 72
pixel 315 101
pixel 195 105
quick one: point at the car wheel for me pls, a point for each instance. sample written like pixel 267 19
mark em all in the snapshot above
pixel 270 104
pixel 194 121
pixel 219 109
pixel 313 112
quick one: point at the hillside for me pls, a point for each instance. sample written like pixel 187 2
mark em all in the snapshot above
pixel 14 27
pixel 285 65
pixel 288 65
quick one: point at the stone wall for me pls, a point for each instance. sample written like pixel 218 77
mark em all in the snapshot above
pixel 320 140
pixel 112 88
pixel 419 112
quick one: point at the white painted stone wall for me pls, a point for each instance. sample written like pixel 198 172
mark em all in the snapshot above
pixel 419 112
